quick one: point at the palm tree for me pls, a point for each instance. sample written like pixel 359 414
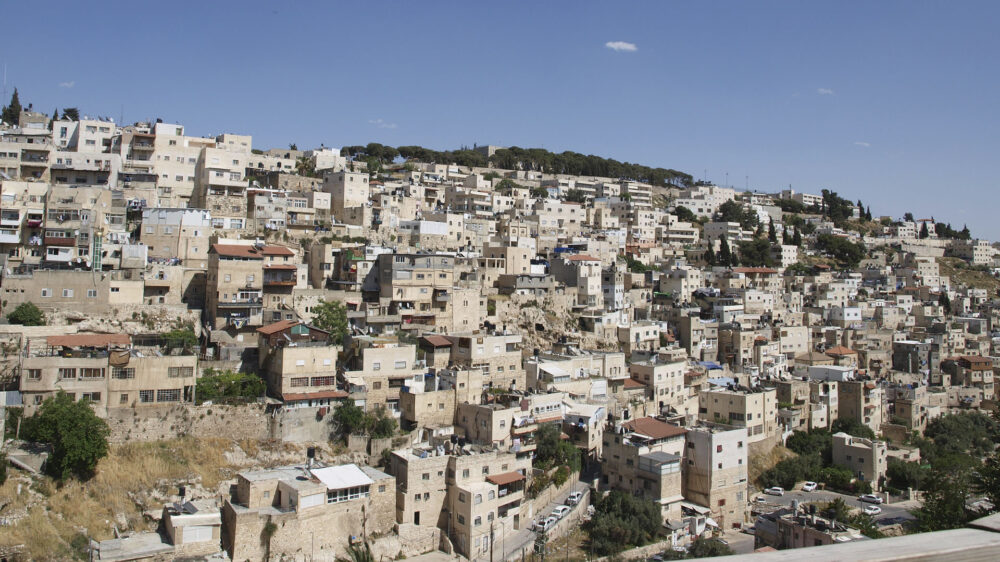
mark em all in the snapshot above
pixel 358 553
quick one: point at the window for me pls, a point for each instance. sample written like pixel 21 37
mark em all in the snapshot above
pixel 381 488
pixel 377 385
pixel 145 396
pixel 66 373
pixel 722 502
pixel 115 289
pixel 461 520
pixel 228 278
pixel 46 292
pixel 477 521
pixel 425 476
pixel 491 495
pixel 478 499
pixel 92 396
pixel 91 373
pixel 376 365
pixel 34 374
pixel 177 372
pixel 67 293
pixel 123 373
pixel 486 470
pixel 299 381
pixel 91 293
pixel 324 381
pixel 718 448
pixel 168 395
pixel 465 473
pixel 461 497
pixel 400 364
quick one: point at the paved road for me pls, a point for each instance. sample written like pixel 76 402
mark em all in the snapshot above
pixel 523 540
pixel 890 512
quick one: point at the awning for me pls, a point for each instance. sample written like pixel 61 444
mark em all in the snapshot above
pixel 340 477
pixel 323 394
pixel 696 508
pixel 505 478
pixel 711 522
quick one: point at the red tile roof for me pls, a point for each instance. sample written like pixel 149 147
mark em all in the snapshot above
pixel 279 326
pixel 293 397
pixel 437 341
pixel 654 428
pixel 632 383
pixel 89 340
pixel 840 350
pixel 505 478
pixel 270 250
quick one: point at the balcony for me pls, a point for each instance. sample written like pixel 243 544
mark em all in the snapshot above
pixel 34 159
pixel 254 302
pixel 8 218
pixel 9 237
pixel 279 280
pixel 59 241
pixel 441 296
pixel 524 429
pixel 63 257
pixel 143 146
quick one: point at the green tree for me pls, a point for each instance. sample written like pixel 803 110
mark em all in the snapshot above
pixel 707 548
pixel 184 339
pixel 725 255
pixel 27 314
pixel 78 437
pixel 348 418
pixel 756 253
pixel 772 233
pixel 622 521
pixel 945 494
pixel 924 233
pixel 228 387
pixel 797 238
pixel 71 113
pixel 852 427
pixel 986 480
pixel 552 450
pixel 945 301
pixel 576 196
pixel 684 214
pixel 331 316
pixel 902 475
pixel 12 112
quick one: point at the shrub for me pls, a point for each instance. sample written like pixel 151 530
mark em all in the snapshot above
pixel 27 314
pixel 78 437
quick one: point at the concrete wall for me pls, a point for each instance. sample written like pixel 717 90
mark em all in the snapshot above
pixel 229 422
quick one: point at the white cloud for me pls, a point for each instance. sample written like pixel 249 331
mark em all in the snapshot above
pixel 382 124
pixel 862 143
pixel 69 84
pixel 621 46
pixel 824 91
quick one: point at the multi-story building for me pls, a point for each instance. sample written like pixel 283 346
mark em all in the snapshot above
pixel 299 363
pixel 107 370
pixel 756 409
pixel 643 457
pixel 865 458
pixel 312 506
pixel 715 471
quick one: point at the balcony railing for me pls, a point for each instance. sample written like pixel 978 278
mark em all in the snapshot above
pixel 255 302
pixel 57 241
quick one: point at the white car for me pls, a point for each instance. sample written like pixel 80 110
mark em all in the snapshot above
pixel 574 498
pixel 872 510
pixel 560 512
pixel 870 498
pixel 808 486
pixel 548 524
pixel 775 491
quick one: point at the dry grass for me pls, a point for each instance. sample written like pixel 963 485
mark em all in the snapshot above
pixel 959 271
pixel 117 494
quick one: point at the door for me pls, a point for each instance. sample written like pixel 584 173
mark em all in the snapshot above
pixel 416 517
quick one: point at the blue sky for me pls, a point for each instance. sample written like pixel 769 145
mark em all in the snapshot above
pixel 889 102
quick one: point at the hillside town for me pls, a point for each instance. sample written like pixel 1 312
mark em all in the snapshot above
pixel 491 353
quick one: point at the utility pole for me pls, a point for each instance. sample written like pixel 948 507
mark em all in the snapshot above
pixel 491 541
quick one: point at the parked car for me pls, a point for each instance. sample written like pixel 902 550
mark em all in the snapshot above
pixel 775 491
pixel 872 510
pixel 870 498
pixel 560 512
pixel 548 523
pixel 574 498
pixel 749 530
pixel 808 486
pixel 760 499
